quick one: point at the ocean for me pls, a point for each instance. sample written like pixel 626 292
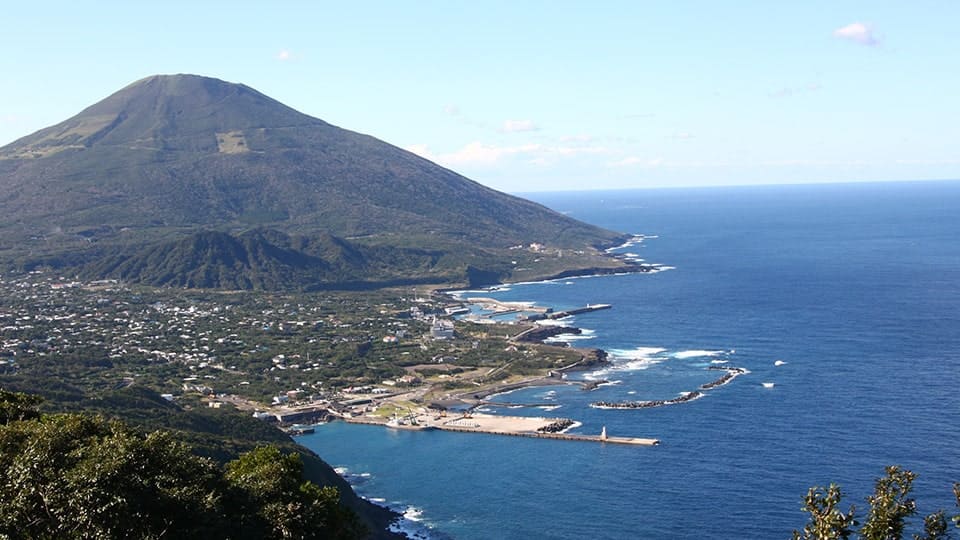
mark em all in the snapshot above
pixel 845 297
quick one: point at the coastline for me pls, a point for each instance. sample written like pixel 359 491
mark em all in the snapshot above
pixel 401 525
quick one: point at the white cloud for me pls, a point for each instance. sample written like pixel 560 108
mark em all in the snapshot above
pixel 421 150
pixel 10 119
pixel 858 32
pixel 634 161
pixel 577 150
pixel 472 153
pixel 627 162
pixel 284 55
pixel 478 153
pixel 788 91
pixel 451 110
pixel 514 126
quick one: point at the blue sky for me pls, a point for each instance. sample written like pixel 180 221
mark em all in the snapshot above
pixel 543 95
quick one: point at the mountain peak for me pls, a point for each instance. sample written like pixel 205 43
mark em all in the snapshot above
pixel 170 156
pixel 167 112
pixel 183 89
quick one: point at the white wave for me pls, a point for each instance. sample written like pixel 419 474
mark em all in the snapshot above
pixel 719 361
pixel 411 525
pixel 341 470
pixel 574 425
pixel 630 365
pixel 549 407
pixel 377 500
pixel 611 383
pixel 631 392
pixel 633 241
pixel 565 338
pixel 568 283
pixel 635 354
pixel 683 355
pixel 566 321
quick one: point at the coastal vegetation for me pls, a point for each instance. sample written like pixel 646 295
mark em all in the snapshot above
pixel 82 476
pixel 890 508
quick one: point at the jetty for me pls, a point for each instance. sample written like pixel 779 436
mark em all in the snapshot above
pixel 585 309
pixel 527 312
pixel 511 426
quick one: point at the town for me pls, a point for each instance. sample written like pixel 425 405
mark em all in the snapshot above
pixel 284 357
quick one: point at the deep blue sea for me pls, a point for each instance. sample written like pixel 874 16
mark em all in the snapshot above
pixel 854 288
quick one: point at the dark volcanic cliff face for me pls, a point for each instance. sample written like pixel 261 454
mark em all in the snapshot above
pixel 170 155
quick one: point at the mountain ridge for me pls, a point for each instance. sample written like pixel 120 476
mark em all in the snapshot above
pixel 169 156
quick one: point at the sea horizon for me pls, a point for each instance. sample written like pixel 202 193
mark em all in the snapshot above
pixel 828 295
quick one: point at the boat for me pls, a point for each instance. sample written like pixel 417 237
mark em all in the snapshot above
pixel 768 385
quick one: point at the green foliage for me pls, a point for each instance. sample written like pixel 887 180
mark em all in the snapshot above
pixel 81 476
pixel 268 260
pixel 73 476
pixel 285 505
pixel 890 507
pixel 16 406
pixel 934 527
pixel 956 493
pixel 827 521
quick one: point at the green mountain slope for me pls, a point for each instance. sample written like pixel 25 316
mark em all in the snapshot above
pixel 170 156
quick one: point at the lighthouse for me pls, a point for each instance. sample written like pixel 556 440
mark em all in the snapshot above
pixel 603 433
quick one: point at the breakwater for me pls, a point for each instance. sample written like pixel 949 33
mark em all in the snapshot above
pixel 560 436
pixel 687 396
pixel 730 374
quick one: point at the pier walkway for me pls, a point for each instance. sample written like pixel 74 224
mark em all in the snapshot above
pixel 512 426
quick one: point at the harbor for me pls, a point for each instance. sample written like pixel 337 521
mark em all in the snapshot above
pixel 526 312
pixel 512 426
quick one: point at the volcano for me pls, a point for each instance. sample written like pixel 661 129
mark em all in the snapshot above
pixel 184 180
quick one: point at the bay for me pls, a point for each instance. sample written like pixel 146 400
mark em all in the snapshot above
pixel 854 289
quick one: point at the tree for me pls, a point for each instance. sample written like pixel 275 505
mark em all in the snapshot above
pixel 827 522
pixel 82 476
pixel 70 476
pixel 281 504
pixel 890 506
pixel 18 406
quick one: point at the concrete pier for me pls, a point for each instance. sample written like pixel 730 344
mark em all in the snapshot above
pixel 512 426
pixel 586 309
